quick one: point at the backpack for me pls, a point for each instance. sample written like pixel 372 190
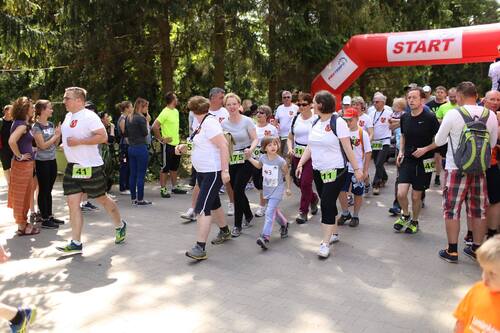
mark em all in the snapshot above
pixel 293 123
pixel 473 154
pixel 333 126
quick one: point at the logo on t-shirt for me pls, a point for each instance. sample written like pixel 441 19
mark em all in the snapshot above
pixel 290 113
pixel 73 123
pixel 382 120
pixel 221 119
pixel 328 128
pixel 267 133
pixel 361 123
pixel 355 141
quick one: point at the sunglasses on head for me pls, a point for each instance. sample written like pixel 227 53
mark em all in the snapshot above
pixel 303 104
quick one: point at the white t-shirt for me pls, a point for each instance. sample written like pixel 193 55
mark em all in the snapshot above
pixel 284 115
pixel 358 149
pixel 302 128
pixel 81 125
pixel 268 130
pixel 381 130
pixel 205 155
pixel 220 114
pixel 453 124
pixel 325 146
pixel 365 122
pixel 494 74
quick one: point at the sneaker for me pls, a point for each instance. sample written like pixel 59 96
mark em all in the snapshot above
pixel 469 252
pixel 56 221
pixel 343 219
pixel 126 192
pixel 178 190
pixel 367 188
pixel 284 231
pixel 221 237
pixel 88 207
pixel 197 253
pixel 468 240
pixel 189 215
pixel 400 223
pixel 143 203
pixel 301 218
pixel 230 209
pixel 376 191
pixel 247 223
pixel 236 232
pixel 324 250
pixel 449 257
pixel 263 242
pixel 71 248
pixel 334 239
pixel 314 207
pixel 121 233
pixel 395 209
pixel 354 222
pixel 222 190
pixel 261 211
pixel 350 200
pixel 49 224
pixel 164 193
pixel 437 181
pixel 28 316
pixel 412 227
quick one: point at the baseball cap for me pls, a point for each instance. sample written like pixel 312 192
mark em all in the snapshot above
pixel 350 113
pixel 346 100
pixel 427 89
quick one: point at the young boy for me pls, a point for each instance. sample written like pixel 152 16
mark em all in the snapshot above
pixel 479 310
pixel 361 146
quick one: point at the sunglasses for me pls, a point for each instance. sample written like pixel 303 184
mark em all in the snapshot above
pixel 287 97
pixel 261 112
pixel 302 104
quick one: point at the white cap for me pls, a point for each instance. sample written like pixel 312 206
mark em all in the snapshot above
pixel 427 89
pixel 346 100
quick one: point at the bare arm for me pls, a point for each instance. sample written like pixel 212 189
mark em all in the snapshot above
pixel 156 130
pixel 459 327
pixel 370 133
pixel 289 142
pixel 255 140
pixel 14 138
pixel 255 163
pixel 288 179
pixel 98 136
pixel 121 124
pixel 42 144
pixel 346 144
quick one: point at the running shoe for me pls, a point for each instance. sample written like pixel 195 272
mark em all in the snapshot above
pixel 350 200
pixel 343 218
pixel 449 257
pixel 401 222
pixel 57 221
pixel 469 252
pixel 189 215
pixel 324 250
pixel 263 242
pixel 125 192
pixel 376 191
pixel 88 207
pixel 164 193
pixel 335 238
pixel 247 223
pixel 395 209
pixel 412 227
pixel 301 218
pixel 121 233
pixel 230 209
pixel 314 207
pixel 261 211
pixel 71 248
pixel 284 231
pixel 178 190
pixel 354 222
pixel 143 203
pixel 236 232
pixel 222 190
pixel 28 316
pixel 49 224
pixel 367 188
pixel 197 253
pixel 221 237
pixel 468 240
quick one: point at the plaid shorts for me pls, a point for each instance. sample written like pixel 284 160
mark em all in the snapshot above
pixel 459 188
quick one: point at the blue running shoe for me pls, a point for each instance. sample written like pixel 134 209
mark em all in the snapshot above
pixel 28 317
pixel 70 248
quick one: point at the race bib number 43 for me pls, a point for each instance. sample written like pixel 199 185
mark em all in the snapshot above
pixel 237 158
pixel 80 172
pixel 329 176
pixel 429 165
pixel 270 175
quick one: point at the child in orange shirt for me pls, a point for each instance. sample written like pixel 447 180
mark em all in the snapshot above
pixel 479 310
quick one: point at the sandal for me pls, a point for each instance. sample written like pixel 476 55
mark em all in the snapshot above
pixel 29 229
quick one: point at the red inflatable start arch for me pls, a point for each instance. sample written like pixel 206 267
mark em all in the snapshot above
pixel 478 43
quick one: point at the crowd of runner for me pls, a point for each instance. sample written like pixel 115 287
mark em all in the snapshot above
pixel 310 139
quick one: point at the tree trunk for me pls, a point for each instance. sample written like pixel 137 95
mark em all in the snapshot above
pixel 167 72
pixel 219 41
pixel 272 47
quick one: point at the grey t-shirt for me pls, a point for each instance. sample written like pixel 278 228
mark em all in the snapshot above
pixel 136 130
pixel 240 132
pixel 48 132
pixel 273 184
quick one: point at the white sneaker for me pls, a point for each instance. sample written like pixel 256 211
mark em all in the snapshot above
pixel 261 211
pixel 189 215
pixel 126 192
pixel 324 250
pixel 334 239
pixel 230 209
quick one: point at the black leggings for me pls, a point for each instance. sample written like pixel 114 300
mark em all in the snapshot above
pixel 257 178
pixel 240 175
pixel 328 193
pixel 46 172
pixel 379 157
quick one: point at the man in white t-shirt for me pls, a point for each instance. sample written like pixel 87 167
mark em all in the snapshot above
pixel 82 131
pixel 458 186
pixel 494 74
pixel 283 118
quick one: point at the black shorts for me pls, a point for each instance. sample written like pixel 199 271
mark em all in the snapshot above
pixel 257 178
pixel 6 158
pixel 170 160
pixel 442 150
pixel 412 172
pixel 493 184
pixel 208 198
pixel 95 186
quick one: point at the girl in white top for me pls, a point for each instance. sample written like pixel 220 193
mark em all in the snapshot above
pixel 210 159
pixel 298 138
pixel 329 164
pixel 364 121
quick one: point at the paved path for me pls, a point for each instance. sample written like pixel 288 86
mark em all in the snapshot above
pixel 375 281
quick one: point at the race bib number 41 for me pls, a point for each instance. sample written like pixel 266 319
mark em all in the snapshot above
pixel 80 172
pixel 429 165
pixel 329 176
pixel 237 158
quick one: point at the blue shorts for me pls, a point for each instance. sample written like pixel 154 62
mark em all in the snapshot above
pixel 347 185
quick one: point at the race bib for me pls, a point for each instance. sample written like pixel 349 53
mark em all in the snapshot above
pixel 238 157
pixel 377 145
pixel 429 165
pixel 299 150
pixel 189 148
pixel 328 176
pixel 270 175
pixel 256 152
pixel 80 172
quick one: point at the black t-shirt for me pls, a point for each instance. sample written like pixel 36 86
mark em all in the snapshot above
pixel 418 132
pixel 433 105
pixel 5 135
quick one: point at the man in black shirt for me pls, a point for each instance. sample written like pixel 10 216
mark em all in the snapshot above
pixel 418 128
pixel 433 105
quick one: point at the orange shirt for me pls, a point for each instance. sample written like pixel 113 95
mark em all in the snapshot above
pixel 479 310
